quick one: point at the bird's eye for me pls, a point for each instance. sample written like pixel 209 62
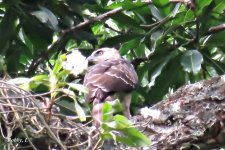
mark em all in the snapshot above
pixel 99 53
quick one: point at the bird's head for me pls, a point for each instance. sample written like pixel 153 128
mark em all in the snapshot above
pixel 103 54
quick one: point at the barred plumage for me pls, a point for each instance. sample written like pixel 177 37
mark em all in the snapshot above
pixel 111 74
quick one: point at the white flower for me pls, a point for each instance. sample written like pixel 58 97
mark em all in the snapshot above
pixel 75 62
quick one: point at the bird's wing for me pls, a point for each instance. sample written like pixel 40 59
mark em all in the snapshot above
pixel 109 77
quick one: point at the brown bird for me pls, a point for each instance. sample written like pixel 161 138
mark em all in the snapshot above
pixel 111 74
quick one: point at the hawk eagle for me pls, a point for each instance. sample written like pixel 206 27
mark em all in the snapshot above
pixel 111 74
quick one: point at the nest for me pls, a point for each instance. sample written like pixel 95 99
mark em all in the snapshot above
pixel 28 123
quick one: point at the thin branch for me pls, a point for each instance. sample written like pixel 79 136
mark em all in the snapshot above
pixel 36 62
pixel 18 120
pixel 163 21
pixel 66 32
pixel 216 29
pixel 91 21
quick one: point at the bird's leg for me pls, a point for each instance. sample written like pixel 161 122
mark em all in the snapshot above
pixel 97 113
pixel 110 98
pixel 126 100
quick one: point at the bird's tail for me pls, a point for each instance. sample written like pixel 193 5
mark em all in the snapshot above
pixel 97 113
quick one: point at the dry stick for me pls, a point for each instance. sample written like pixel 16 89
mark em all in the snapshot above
pixel 50 131
pixel 88 133
pixel 51 134
pixel 43 121
pixel 9 133
pixel 22 108
pixel 29 96
pixel 85 142
pixel 21 126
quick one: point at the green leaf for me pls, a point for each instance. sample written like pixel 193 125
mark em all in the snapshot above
pixel 39 35
pixel 155 12
pixel 129 45
pixel 80 111
pixel 131 5
pixel 218 10
pixel 23 83
pixel 157 71
pixel 57 67
pixel 67 106
pixel 7 28
pixel 107 112
pixel 47 17
pixel 216 39
pixel 71 44
pixel 62 75
pixel 120 39
pixel 183 17
pixel 126 21
pixel 126 140
pixel 176 9
pixel 154 38
pixel 127 5
pixel 104 2
pixel 108 135
pixel 119 123
pixel 160 2
pixel 134 139
pixel 78 87
pixel 19 81
pixel 217 65
pixel 69 93
pixel 142 50
pixel 40 79
pixel 191 61
pixel 116 105
pixel 42 16
pixel 2 64
pixel 169 78
pixel 131 136
pixel 122 121
pixel 201 5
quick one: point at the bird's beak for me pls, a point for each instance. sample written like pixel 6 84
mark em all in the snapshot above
pixel 91 60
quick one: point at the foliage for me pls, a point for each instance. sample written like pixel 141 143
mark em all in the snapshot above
pixel 129 134
pixel 178 44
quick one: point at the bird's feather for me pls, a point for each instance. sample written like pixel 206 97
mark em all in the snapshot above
pixel 108 77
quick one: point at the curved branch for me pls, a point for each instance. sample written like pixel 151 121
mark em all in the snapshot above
pixel 101 17
pixel 216 29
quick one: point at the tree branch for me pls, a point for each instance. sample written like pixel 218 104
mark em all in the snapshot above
pixel 91 21
pixel 64 33
pixel 193 116
pixel 216 29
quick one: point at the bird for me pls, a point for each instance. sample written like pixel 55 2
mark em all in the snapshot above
pixel 111 74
